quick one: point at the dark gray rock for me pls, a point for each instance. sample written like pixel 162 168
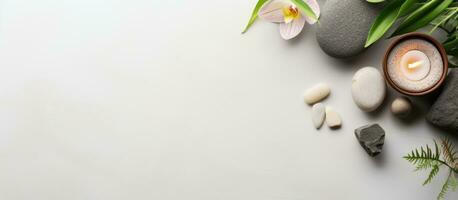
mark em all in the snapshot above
pixel 444 112
pixel 344 25
pixel 371 137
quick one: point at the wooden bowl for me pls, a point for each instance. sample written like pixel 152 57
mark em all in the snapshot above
pixel 427 38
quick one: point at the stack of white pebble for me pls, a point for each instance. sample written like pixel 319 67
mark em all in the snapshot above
pixel 320 112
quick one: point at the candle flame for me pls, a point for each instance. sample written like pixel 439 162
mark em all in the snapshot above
pixel 414 65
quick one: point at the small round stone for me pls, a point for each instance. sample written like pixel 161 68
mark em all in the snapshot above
pixel 368 89
pixel 333 119
pixel 344 26
pixel 401 107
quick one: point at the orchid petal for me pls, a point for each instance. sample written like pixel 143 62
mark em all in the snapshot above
pixel 315 8
pixel 291 30
pixel 272 11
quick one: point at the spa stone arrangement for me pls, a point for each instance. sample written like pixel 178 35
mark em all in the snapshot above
pixel 415 65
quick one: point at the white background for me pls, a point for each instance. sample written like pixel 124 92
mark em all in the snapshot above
pixel 149 99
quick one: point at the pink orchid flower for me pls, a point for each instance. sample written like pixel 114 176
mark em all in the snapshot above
pixel 289 17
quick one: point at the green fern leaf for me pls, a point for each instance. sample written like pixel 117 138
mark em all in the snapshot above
pixel 453 183
pixel 448 151
pixel 437 150
pixel 432 174
pixel 446 186
pixel 424 157
pixel 426 164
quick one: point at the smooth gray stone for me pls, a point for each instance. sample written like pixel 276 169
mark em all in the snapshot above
pixel 444 112
pixel 371 137
pixel 344 25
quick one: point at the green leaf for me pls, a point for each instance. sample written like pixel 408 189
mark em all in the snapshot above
pixel 254 14
pixel 425 158
pixel 414 22
pixel 448 152
pixel 453 63
pixel 386 19
pixel 453 183
pixel 410 9
pixel 417 14
pixel 432 174
pixel 446 186
pixel 443 19
pixel 450 45
pixel 305 8
pixel 375 1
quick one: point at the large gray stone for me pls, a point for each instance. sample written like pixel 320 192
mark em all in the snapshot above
pixel 371 137
pixel 344 25
pixel 444 112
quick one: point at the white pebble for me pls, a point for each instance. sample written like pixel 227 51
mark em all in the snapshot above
pixel 333 119
pixel 318 115
pixel 368 89
pixel 401 107
pixel 316 93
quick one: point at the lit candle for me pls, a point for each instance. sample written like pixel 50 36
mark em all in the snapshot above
pixel 414 64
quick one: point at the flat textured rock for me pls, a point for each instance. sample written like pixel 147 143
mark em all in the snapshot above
pixel 371 137
pixel 444 112
pixel 344 25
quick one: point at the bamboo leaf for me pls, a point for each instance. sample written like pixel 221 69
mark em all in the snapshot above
pixel 424 20
pixel 411 9
pixel 254 14
pixel 305 8
pixel 453 63
pixel 443 19
pixel 420 12
pixel 451 44
pixel 375 1
pixel 386 19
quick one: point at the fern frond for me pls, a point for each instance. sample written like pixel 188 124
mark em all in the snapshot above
pixel 454 183
pixel 424 157
pixel 428 164
pixel 448 151
pixel 432 174
pixel 446 186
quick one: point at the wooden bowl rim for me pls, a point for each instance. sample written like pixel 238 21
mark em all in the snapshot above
pixel 408 36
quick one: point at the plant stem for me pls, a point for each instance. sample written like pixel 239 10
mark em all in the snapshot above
pixel 444 163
